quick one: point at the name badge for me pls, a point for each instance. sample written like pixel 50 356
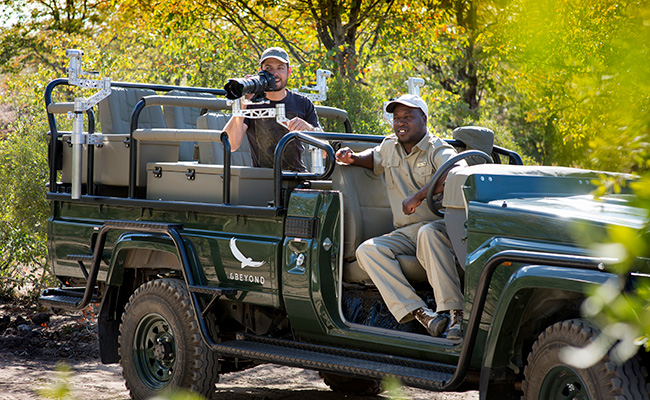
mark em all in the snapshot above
pixel 421 164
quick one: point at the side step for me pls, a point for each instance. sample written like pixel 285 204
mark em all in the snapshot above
pixel 411 372
pixel 65 298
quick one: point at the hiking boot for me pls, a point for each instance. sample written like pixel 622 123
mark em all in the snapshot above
pixel 455 328
pixel 434 322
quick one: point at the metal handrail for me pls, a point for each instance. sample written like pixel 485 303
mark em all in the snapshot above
pixel 279 175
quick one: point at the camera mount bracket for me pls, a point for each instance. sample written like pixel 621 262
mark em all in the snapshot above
pixel 278 112
pixel 321 86
pixel 258 113
pixel 79 138
pixel 413 84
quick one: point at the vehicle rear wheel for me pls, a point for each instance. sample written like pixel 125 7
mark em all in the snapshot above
pixel 160 343
pixel 350 384
pixel 546 377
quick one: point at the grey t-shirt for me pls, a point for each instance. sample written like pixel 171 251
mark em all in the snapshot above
pixel 265 133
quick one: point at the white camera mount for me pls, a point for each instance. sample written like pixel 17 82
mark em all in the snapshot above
pixel 79 139
pixel 413 85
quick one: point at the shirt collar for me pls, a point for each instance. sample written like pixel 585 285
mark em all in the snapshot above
pixel 423 144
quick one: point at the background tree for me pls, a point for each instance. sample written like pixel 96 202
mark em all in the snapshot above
pixel 578 80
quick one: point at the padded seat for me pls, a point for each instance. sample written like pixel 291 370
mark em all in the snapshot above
pixel 184 118
pixel 112 158
pixel 367 214
pixel 115 111
pixel 212 152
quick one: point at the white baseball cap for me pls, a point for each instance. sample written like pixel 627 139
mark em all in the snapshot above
pixel 409 100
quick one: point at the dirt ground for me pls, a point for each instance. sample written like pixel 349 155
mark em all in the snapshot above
pixel 35 345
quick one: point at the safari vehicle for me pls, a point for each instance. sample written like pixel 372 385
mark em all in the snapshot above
pixel 203 265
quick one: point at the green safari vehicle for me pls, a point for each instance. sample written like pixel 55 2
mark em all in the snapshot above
pixel 202 265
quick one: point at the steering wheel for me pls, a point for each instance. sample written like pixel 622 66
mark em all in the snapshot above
pixel 435 201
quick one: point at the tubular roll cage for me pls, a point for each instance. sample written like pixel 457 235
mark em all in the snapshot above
pixel 312 138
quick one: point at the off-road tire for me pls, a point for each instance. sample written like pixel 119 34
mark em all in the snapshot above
pixel 546 377
pixel 351 385
pixel 159 316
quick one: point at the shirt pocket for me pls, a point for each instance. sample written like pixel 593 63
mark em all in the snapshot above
pixel 392 169
pixel 422 173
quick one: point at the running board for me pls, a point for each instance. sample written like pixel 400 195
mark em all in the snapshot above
pixel 416 373
pixel 64 298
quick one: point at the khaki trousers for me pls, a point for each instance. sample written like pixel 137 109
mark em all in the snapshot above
pixel 430 243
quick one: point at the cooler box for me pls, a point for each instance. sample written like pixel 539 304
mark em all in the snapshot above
pixel 112 159
pixel 191 181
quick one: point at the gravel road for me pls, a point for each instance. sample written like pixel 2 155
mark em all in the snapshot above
pixel 34 344
pixel 27 379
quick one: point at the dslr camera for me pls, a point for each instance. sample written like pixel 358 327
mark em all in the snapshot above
pixel 238 87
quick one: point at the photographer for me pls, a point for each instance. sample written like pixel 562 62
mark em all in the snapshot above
pixel 264 134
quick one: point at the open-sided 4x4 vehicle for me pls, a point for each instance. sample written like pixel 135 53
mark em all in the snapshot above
pixel 204 265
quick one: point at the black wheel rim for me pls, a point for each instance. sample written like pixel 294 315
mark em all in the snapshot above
pixel 154 351
pixel 562 382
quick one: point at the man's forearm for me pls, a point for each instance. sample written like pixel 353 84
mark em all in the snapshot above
pixel 363 159
pixel 236 130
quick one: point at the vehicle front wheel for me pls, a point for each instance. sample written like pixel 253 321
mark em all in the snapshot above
pixel 546 377
pixel 160 343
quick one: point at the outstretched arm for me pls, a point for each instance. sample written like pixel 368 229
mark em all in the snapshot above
pixel 349 157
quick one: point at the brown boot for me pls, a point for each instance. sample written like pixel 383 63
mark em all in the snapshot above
pixel 455 328
pixel 434 322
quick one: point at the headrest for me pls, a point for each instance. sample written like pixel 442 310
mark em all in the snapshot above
pixel 475 138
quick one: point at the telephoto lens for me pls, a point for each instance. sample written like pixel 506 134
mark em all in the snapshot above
pixel 238 87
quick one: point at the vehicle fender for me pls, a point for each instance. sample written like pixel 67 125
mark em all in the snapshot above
pixel 531 287
pixel 138 250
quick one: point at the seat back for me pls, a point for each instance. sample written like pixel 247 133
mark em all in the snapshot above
pixel 475 138
pixel 212 152
pixel 184 118
pixel 112 158
pixel 367 213
pixel 115 111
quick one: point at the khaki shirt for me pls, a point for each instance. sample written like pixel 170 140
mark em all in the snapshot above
pixel 407 173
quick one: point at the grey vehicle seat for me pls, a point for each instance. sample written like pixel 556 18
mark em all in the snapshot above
pixel 184 118
pixel 475 138
pixel 115 111
pixel 115 119
pixel 212 152
pixel 367 214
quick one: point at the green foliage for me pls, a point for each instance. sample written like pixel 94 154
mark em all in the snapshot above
pixel 394 389
pixel 61 389
pixel 579 80
pixel 23 174
pixel 363 108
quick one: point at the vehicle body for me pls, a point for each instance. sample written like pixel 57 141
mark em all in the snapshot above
pixel 204 268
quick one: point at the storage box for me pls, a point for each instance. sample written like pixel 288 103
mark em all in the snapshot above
pixel 112 159
pixel 191 181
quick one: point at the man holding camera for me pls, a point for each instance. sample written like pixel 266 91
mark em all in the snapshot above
pixel 263 134
pixel 408 160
